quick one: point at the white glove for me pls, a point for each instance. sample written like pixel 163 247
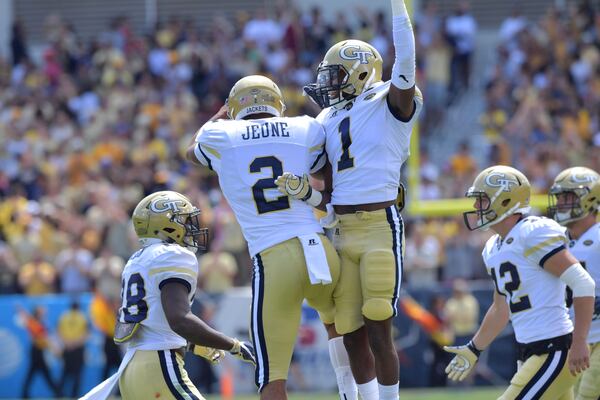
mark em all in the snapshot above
pixel 212 355
pixel 461 365
pixel 298 188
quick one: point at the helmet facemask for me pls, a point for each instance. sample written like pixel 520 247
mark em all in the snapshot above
pixel 332 87
pixel 565 205
pixel 194 235
pixel 483 215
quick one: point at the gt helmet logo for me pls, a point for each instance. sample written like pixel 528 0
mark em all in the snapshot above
pixel 583 178
pixel 172 205
pixel 351 52
pixel 499 180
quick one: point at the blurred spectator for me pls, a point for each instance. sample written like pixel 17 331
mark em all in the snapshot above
pixel 37 277
pixel 462 250
pixel 440 358
pixel 217 272
pixel 75 266
pixel 462 312
pixel 8 268
pixel 461 29
pixel 73 332
pixel 34 324
pixel 106 271
pixel 103 314
pixel 512 25
pixel 18 44
pixel 422 257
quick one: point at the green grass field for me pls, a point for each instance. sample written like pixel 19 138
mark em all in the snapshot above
pixel 427 394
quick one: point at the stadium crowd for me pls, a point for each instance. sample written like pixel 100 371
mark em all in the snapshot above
pixel 91 127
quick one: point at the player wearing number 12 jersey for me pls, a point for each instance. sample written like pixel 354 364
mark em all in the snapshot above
pixel 530 266
pixel 292 258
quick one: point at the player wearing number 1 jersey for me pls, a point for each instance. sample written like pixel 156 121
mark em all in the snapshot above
pixel 530 266
pixel 292 258
pixel 574 203
pixel 368 124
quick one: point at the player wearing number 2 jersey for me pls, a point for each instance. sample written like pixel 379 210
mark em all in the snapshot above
pixel 574 203
pixel 292 259
pixel 530 266
pixel 155 322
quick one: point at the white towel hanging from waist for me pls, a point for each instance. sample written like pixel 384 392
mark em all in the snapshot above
pixel 316 259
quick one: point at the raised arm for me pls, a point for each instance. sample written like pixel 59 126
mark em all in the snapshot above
pixel 402 89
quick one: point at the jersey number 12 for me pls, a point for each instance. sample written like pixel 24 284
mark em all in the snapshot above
pixel 517 304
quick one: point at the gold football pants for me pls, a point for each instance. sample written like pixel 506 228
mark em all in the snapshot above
pixel 542 377
pixel 153 374
pixel 280 283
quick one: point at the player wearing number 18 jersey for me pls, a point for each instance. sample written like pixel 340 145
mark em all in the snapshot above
pixel 574 203
pixel 155 322
pixel 530 266
pixel 292 258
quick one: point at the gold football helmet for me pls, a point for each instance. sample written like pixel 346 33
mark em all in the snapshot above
pixel 499 192
pixel 255 94
pixel 349 68
pixel 171 217
pixel 574 195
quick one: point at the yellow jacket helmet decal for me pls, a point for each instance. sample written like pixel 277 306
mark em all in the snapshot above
pixel 499 192
pixel 170 217
pixel 348 69
pixel 255 94
pixel 584 186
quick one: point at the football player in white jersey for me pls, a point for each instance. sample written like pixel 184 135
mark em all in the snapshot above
pixel 368 124
pixel 293 260
pixel 530 266
pixel 155 321
pixel 574 201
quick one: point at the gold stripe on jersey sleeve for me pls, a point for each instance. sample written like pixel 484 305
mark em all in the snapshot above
pixel 315 148
pixel 211 151
pixel 181 270
pixel 545 243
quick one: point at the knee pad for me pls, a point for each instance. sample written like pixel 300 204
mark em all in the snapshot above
pixel 377 309
pixel 379 279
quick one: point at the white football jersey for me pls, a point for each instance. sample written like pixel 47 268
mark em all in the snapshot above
pixel 145 273
pixel 248 155
pixel 367 146
pixel 587 250
pixel 536 298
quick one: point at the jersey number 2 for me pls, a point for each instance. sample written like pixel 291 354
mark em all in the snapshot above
pixel 345 160
pixel 521 303
pixel 258 189
pixel 134 296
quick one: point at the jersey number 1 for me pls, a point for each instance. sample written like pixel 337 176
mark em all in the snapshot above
pixel 345 160
pixel 258 189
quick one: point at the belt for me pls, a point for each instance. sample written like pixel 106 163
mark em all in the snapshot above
pixel 350 209
pixel 180 351
pixel 545 346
